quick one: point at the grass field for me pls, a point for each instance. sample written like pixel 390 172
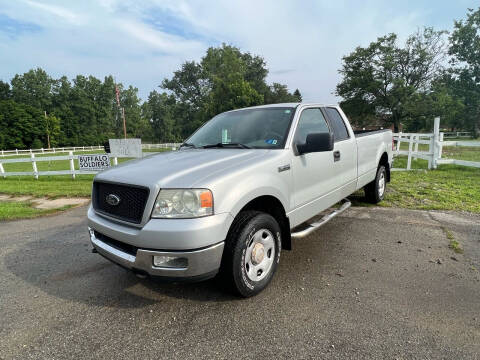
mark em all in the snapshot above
pixel 10 210
pixel 449 187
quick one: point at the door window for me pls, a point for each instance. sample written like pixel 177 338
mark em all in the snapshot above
pixel 311 121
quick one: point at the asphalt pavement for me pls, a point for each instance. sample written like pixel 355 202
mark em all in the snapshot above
pixel 372 284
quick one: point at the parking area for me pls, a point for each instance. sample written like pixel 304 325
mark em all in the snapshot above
pixel 374 283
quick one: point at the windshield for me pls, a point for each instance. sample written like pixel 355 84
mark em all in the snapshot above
pixel 263 128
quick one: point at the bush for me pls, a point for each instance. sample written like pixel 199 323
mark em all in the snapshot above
pixel 37 144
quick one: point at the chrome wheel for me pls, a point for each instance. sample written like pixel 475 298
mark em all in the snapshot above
pixel 259 255
pixel 381 184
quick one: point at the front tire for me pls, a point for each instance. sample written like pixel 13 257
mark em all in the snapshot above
pixel 251 254
pixel 375 191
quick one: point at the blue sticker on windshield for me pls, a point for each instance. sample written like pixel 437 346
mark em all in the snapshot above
pixel 271 141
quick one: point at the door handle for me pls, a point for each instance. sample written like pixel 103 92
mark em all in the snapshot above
pixel 336 156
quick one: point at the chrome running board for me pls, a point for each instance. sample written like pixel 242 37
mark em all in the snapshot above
pixel 304 231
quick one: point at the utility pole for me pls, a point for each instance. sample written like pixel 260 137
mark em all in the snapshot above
pixel 124 123
pixel 117 94
pixel 48 130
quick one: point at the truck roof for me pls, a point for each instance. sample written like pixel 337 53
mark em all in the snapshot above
pixel 295 104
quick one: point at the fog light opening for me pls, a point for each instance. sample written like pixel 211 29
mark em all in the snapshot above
pixel 167 261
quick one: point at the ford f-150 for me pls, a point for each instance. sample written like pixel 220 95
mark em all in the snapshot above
pixel 235 193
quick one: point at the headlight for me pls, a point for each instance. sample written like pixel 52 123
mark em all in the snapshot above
pixel 183 203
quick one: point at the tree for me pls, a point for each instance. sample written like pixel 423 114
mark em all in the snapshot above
pixel 225 79
pixel 464 79
pixel 297 94
pixel 382 80
pixel 278 93
pixel 159 109
pixel 84 110
pixel 52 130
pixel 4 90
pixel 20 125
pixel 33 88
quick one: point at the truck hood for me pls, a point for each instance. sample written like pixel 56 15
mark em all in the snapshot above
pixel 178 169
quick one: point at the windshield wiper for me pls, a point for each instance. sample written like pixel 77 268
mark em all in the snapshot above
pixel 222 145
pixel 188 145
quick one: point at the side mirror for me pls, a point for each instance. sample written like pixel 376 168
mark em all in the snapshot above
pixel 316 142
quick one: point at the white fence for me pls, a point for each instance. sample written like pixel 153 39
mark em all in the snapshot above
pixel 4 153
pixel 70 157
pixel 458 134
pixel 433 155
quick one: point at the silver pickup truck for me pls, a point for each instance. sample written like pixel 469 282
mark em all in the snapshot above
pixel 236 193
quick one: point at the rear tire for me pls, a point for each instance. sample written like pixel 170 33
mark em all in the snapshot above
pixel 375 191
pixel 251 254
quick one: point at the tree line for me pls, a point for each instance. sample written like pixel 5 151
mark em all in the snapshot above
pixel 433 73
pixel 36 109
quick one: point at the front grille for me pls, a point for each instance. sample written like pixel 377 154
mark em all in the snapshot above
pixel 132 201
pixel 126 248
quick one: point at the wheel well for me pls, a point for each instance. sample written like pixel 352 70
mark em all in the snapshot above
pixel 271 205
pixel 384 162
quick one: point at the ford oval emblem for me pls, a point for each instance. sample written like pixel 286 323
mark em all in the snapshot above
pixel 112 199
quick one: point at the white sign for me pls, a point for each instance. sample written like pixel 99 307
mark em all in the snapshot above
pixel 93 162
pixel 126 147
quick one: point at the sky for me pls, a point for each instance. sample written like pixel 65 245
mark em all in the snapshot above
pixel 142 42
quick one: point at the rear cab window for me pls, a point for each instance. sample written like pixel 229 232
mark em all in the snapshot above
pixel 339 128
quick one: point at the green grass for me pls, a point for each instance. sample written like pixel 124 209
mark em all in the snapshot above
pixel 48 186
pixel 469 153
pixel 455 246
pixel 448 233
pixel 10 210
pixel 449 187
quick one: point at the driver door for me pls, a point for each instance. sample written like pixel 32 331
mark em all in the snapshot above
pixel 313 182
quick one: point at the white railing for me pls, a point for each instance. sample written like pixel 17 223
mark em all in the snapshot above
pixel 413 140
pixel 161 146
pixel 54 150
pixel 36 173
pixel 33 159
pixel 458 134
pixel 433 155
pixel 66 149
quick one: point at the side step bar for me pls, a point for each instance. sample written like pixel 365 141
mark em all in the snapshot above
pixel 326 218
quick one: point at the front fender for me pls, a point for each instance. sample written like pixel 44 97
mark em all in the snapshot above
pixel 232 194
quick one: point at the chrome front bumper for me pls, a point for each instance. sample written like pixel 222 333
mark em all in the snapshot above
pixel 202 262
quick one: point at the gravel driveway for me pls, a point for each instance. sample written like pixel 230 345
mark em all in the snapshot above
pixel 374 283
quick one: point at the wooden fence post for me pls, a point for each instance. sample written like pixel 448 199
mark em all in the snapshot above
pixel 416 138
pixel 72 164
pixel 115 161
pixel 440 149
pixel 409 161
pixel 34 166
pixel 399 141
pixel 436 139
pixel 2 171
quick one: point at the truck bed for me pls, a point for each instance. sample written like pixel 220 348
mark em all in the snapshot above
pixel 360 133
